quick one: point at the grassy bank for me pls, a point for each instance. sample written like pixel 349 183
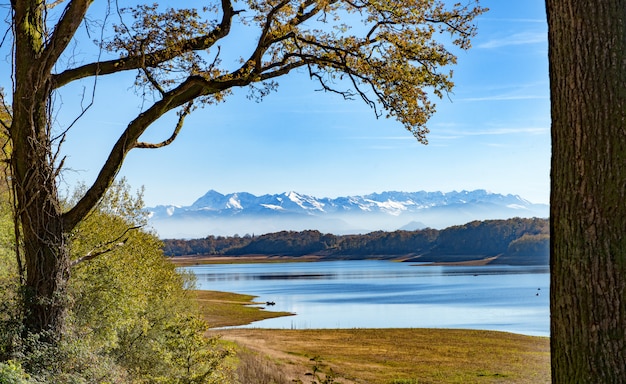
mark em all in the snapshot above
pixel 376 356
pixel 223 309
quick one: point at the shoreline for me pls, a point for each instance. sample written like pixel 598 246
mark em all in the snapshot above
pixel 375 355
pixel 186 261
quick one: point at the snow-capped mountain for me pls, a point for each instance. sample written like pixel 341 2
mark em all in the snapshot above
pixel 242 212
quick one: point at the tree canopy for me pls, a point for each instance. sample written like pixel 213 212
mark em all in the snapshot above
pixel 392 55
pixel 389 54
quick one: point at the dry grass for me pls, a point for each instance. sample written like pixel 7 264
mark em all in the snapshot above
pixel 403 355
pixel 253 367
pixel 376 356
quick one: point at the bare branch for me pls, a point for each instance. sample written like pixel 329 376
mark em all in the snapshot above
pixel 109 246
pixel 71 19
pixel 83 111
pixel 3 123
pixel 192 88
pixel 54 4
pixel 7 33
pixel 177 129
pixel 153 81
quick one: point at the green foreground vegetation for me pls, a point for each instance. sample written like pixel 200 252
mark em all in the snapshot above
pixel 385 356
pixel 131 316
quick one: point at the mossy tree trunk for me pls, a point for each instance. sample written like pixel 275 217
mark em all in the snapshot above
pixel 587 55
pixel 46 260
pixel 33 174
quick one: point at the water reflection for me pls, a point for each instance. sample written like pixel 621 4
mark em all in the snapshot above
pixel 344 270
pixel 375 294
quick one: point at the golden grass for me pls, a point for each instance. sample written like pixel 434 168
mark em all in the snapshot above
pixel 383 356
pixel 405 355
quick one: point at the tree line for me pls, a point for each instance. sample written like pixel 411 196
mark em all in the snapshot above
pixel 516 240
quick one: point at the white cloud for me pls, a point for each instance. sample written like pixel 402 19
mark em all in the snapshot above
pixel 505 97
pixel 460 133
pixel 522 38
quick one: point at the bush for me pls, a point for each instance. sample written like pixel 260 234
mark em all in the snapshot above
pixel 12 373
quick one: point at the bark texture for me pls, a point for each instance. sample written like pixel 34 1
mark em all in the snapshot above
pixel 587 55
pixel 46 259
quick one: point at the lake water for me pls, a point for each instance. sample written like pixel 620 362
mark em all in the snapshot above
pixel 384 294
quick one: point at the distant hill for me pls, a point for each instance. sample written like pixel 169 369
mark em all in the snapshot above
pixel 516 241
pixel 244 213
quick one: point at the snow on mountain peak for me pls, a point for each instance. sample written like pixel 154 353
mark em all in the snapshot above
pixel 273 206
pixel 241 212
pixel 233 202
pixel 305 202
pixel 516 206
pixel 392 207
pixel 389 203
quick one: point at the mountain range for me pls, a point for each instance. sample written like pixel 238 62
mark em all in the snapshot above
pixel 244 213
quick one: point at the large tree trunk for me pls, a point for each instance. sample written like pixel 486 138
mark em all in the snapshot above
pixel 46 259
pixel 47 267
pixel 587 55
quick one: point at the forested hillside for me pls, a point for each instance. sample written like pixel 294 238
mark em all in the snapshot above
pixel 514 241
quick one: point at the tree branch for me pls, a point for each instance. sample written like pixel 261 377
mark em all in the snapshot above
pixel 54 4
pixel 71 19
pixel 266 39
pixel 190 89
pixel 393 80
pixel 151 59
pixel 110 246
pixel 177 129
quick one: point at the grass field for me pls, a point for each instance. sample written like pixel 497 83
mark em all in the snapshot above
pixel 376 356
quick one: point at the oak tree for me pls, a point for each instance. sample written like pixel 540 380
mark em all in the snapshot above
pixel 587 56
pixel 392 55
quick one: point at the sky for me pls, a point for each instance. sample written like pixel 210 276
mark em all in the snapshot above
pixel 492 132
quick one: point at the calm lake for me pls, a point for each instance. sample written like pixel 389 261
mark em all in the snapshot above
pixel 384 294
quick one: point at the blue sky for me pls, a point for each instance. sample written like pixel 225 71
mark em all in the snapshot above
pixel 492 132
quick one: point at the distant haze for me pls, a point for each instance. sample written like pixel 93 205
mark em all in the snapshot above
pixel 243 213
